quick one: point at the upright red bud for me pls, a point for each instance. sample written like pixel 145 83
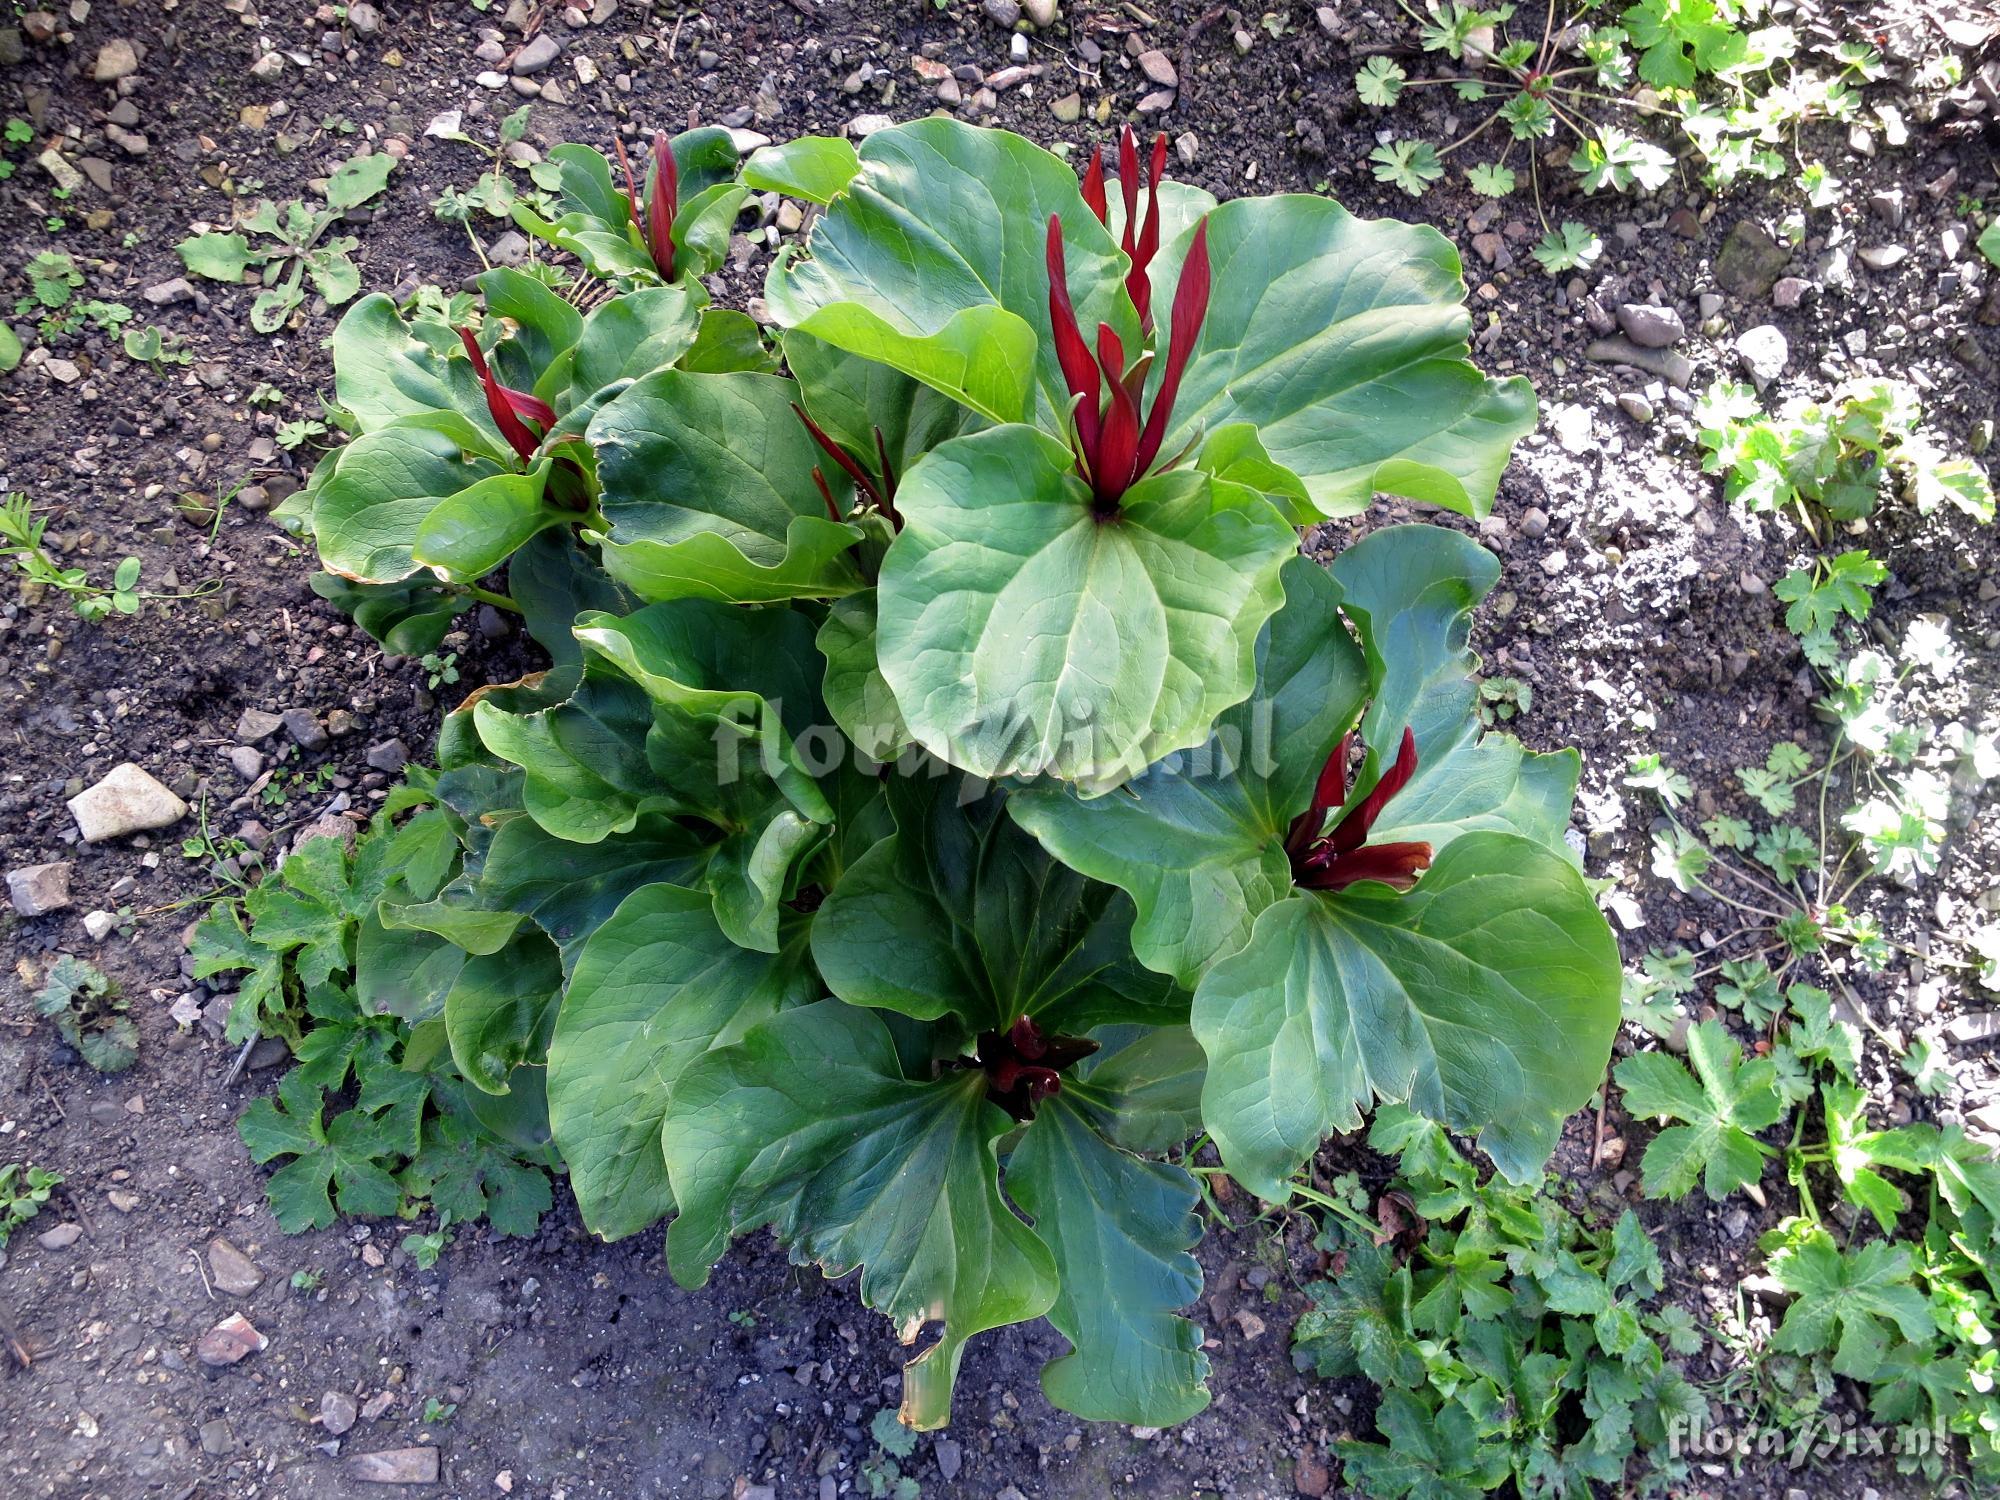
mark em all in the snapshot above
pixel 1190 311
pixel 1079 372
pixel 508 407
pixel 662 207
pixel 1093 186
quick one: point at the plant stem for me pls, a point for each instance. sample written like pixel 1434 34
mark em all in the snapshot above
pixel 487 596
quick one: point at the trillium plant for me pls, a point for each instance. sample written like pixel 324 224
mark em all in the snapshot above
pixel 953 800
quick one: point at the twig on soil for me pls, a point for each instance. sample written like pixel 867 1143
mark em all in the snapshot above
pixel 14 1345
pixel 1135 13
pixel 77 1210
pixel 195 1256
pixel 236 1068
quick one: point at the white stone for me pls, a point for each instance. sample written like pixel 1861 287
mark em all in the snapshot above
pixel 126 801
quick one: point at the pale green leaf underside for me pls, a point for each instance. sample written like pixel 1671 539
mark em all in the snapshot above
pixel 1022 636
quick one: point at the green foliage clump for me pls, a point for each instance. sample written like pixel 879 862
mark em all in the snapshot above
pixel 23 1191
pixel 88 1009
pixel 1511 1338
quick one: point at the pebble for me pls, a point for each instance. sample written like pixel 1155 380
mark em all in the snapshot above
pixel 167 293
pixel 1789 291
pixel 254 724
pixel 228 1342
pixel 246 762
pixel 1017 48
pixel 99 925
pixel 395 1466
pixel 1750 260
pixel 337 1412
pixel 950 1457
pixel 1068 109
pixel 1002 12
pixel 217 1440
pixel 231 1269
pixel 364 18
pixel 541 50
pixel 61 1237
pixel 1882 257
pixel 116 59
pixel 1635 406
pixel 128 800
pixel 390 756
pixel 1668 364
pixel 1763 352
pixel 1157 66
pixel 37 890
pixel 1535 523
pixel 304 729
pixel 863 126
pixel 1651 327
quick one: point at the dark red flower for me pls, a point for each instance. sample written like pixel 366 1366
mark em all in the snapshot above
pixel 1140 240
pixel 1113 447
pixel 655 217
pixel 1331 859
pixel 510 409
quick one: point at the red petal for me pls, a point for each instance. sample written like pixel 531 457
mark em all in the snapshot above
pixel 501 403
pixel 1137 283
pixel 1071 351
pixel 1190 311
pixel 662 206
pixel 1093 186
pixel 1118 445
pixel 1128 184
pixel 1353 829
pixel 631 184
pixel 1395 865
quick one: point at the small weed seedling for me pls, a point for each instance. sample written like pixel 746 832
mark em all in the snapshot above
pixel 89 1011
pixel 23 1191
pixel 292 245
pixel 21 534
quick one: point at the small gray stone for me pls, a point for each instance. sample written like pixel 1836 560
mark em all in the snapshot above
pixel 364 18
pixel 1535 523
pixel 217 1441
pixel 1789 291
pixel 1651 327
pixel 1750 260
pixel 1017 48
pixel 254 725
pixel 37 890
pixel 1763 352
pixel 1668 364
pixel 390 756
pixel 1042 13
pixel 126 801
pixel 304 729
pixel 1157 66
pixel 246 761
pixel 61 1237
pixel 1635 406
pixel 1002 12
pixel 541 50
pixel 116 59
pixel 509 249
pixel 1882 257
pixel 337 1412
pixel 950 1458
pixel 167 293
pixel 99 925
pixel 395 1466
pixel 233 1271
pixel 340 723
pixel 863 126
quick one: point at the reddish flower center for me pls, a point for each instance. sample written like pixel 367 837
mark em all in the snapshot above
pixel 1023 1067
pixel 510 409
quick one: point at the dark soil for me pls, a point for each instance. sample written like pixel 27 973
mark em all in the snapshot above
pixel 1633 601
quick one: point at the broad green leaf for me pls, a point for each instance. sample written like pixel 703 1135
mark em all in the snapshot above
pixel 1119 1229
pixel 554 578
pixel 10 349
pixel 808 1125
pixel 1721 1105
pixel 219 257
pixel 933 260
pixel 728 342
pixel 1022 635
pixel 501 1009
pixel 588 773
pixel 631 336
pixel 961 914
pixel 1486 998
pixel 707 484
pixel 854 398
pixel 1142 1091
pixel 568 889
pixel 382 372
pixel 545 326
pixel 404 972
pixel 816 168
pixel 409 618
pixel 1846 1300
pixel 334 276
pixel 856 694
pixel 1197 840
pixel 469 533
pixel 355 182
pixel 1343 341
pixel 656 985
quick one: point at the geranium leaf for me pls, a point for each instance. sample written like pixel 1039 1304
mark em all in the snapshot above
pixel 707 484
pixel 1486 998
pixel 1343 341
pixel 933 260
pixel 1721 1106
pixel 658 984
pixel 1022 635
pixel 1119 1229
pixel 961 914
pixel 1197 839
pixel 808 1125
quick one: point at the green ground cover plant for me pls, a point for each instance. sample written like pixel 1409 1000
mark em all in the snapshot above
pixel 952 792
